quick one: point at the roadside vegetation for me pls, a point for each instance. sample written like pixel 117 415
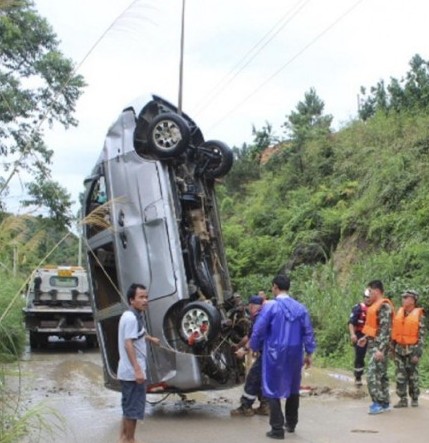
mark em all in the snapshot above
pixel 336 209
pixel 38 85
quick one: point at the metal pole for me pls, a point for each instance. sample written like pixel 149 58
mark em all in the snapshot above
pixel 79 226
pixel 79 254
pixel 182 45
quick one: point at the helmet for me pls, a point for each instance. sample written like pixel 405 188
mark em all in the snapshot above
pixel 412 293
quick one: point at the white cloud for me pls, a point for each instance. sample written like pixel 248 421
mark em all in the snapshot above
pixel 140 55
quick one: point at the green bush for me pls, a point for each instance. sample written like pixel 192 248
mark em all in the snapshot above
pixel 12 332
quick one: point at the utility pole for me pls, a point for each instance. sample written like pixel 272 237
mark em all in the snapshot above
pixel 182 46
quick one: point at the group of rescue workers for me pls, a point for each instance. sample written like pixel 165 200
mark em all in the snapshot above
pixel 282 338
pixel 376 328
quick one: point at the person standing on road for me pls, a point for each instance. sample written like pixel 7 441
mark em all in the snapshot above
pixel 282 332
pixel 132 337
pixel 377 331
pixel 408 338
pixel 356 324
pixel 252 385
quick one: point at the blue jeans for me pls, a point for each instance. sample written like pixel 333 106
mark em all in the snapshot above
pixel 133 399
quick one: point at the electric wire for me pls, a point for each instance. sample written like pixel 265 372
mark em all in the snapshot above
pixel 15 169
pixel 250 55
pixel 4 185
pixel 286 64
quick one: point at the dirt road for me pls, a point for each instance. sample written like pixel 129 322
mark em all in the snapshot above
pixel 69 379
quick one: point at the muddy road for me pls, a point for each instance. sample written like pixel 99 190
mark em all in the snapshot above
pixel 68 378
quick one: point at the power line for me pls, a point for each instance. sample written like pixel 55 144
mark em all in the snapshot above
pixel 25 151
pixel 292 59
pixel 250 55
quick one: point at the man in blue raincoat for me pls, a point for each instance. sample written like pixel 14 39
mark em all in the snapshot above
pixel 282 332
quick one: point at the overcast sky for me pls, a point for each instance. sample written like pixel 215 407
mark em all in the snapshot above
pixel 246 62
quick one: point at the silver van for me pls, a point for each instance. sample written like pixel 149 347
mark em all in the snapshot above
pixel 151 217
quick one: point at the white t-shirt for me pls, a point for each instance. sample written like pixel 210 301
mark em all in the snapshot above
pixel 128 329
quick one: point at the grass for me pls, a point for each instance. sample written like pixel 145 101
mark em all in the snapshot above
pixel 17 420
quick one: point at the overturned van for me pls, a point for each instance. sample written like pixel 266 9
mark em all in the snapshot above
pixel 151 217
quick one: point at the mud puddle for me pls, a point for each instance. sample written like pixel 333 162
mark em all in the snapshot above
pixel 68 378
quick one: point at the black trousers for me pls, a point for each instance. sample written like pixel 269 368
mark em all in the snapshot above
pixel 360 352
pixel 277 419
pixel 252 385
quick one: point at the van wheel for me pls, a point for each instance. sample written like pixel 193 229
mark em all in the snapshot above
pixel 168 136
pixel 199 322
pixel 219 364
pixel 216 159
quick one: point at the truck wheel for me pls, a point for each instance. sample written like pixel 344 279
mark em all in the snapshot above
pixel 34 342
pixel 43 340
pixel 38 340
pixel 168 136
pixel 199 321
pixel 91 341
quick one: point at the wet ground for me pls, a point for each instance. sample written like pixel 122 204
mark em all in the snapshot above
pixel 68 378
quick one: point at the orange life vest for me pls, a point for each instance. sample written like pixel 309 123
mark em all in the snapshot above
pixel 405 329
pixel 371 324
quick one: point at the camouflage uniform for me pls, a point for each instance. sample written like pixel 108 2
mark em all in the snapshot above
pixel 378 382
pixel 407 372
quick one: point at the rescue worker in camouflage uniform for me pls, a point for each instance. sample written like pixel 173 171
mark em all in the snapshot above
pixel 356 323
pixel 408 338
pixel 377 332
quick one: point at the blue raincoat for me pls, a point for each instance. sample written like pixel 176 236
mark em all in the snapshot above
pixel 282 331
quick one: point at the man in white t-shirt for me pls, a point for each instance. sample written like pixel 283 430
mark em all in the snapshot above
pixel 132 338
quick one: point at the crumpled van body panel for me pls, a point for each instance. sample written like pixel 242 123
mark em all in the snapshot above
pixel 151 217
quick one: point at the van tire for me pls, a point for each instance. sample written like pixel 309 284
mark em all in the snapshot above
pixel 168 136
pixel 191 319
pixel 216 158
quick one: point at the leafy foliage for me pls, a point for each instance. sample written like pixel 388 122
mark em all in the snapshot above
pixel 336 210
pixel 37 84
pixel 410 93
pixel 25 241
pixel 12 334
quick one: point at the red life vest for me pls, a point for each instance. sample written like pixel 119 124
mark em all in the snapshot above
pixel 360 323
pixel 405 329
pixel 371 325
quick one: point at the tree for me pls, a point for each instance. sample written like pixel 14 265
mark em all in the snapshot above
pixel 263 138
pixel 308 119
pixel 245 169
pixel 306 123
pixel 409 94
pixel 37 85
